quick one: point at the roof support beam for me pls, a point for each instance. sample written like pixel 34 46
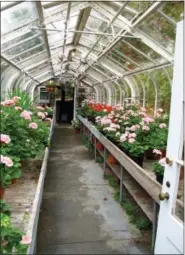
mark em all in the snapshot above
pixel 82 20
pixel 41 17
pixel 18 68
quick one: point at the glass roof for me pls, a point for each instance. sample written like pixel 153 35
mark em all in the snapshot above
pixel 39 37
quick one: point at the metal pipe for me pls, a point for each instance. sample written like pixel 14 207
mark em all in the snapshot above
pixel 66 25
pixel 82 31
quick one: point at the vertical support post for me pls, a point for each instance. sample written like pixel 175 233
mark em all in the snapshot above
pixel 154 227
pixel 121 184
pixel 104 156
pixel 74 104
pixel 95 149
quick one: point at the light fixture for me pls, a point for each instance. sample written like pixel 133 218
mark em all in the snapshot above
pixel 73 53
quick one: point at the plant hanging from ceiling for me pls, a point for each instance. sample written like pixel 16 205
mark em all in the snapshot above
pixel 51 86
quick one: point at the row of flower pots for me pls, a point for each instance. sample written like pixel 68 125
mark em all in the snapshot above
pixel 137 131
pixel 24 135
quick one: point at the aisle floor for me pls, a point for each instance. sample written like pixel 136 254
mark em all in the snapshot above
pixel 79 214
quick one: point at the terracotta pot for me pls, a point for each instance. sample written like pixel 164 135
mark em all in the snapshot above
pixel 111 160
pixel 163 153
pixel 13 181
pixel 2 192
pixel 76 131
pixel 99 146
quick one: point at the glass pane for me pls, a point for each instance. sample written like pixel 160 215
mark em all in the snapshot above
pixel 140 46
pixel 17 15
pixel 160 29
pixel 18 49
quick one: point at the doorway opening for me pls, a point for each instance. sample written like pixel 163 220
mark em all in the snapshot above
pixel 65 104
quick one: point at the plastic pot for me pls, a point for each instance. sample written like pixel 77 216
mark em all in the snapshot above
pixel 139 159
pixel 159 178
pixel 76 131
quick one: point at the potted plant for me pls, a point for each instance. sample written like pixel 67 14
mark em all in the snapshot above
pixel 10 172
pixel 158 168
pixel 12 239
pixel 76 126
pixel 51 86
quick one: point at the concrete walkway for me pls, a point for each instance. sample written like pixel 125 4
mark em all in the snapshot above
pixel 75 218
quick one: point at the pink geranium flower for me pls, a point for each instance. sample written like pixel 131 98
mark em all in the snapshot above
pixel 7 161
pixel 41 115
pixel 25 240
pixel 40 108
pixel 162 162
pixel 143 109
pixel 146 128
pixel 123 137
pixel 5 139
pixel 33 125
pixel 160 110
pixel 26 115
pixel 131 140
pixel 8 102
pixel 132 135
pixel 148 119
pixel 18 108
pixel 157 152
pixel 162 125
pixel 16 98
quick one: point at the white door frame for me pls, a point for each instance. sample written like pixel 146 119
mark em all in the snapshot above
pixel 169 238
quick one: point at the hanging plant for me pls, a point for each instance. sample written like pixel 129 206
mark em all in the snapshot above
pixel 51 86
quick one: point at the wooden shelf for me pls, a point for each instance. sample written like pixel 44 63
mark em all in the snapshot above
pixel 143 177
pixel 115 169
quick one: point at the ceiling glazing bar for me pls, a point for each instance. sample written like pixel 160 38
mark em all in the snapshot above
pixel 82 32
pixel 11 5
pixel 41 17
pixel 33 48
pixel 20 42
pixel 18 68
pixel 139 71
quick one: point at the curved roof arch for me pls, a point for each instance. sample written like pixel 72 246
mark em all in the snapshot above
pixel 108 42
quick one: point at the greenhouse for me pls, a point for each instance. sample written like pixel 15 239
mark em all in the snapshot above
pixel 92 145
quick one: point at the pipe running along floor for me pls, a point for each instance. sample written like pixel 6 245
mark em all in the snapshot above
pixel 75 217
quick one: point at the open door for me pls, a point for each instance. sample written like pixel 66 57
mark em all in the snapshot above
pixel 169 238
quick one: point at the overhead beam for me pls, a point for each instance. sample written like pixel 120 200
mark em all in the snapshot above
pixel 41 17
pixel 81 23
